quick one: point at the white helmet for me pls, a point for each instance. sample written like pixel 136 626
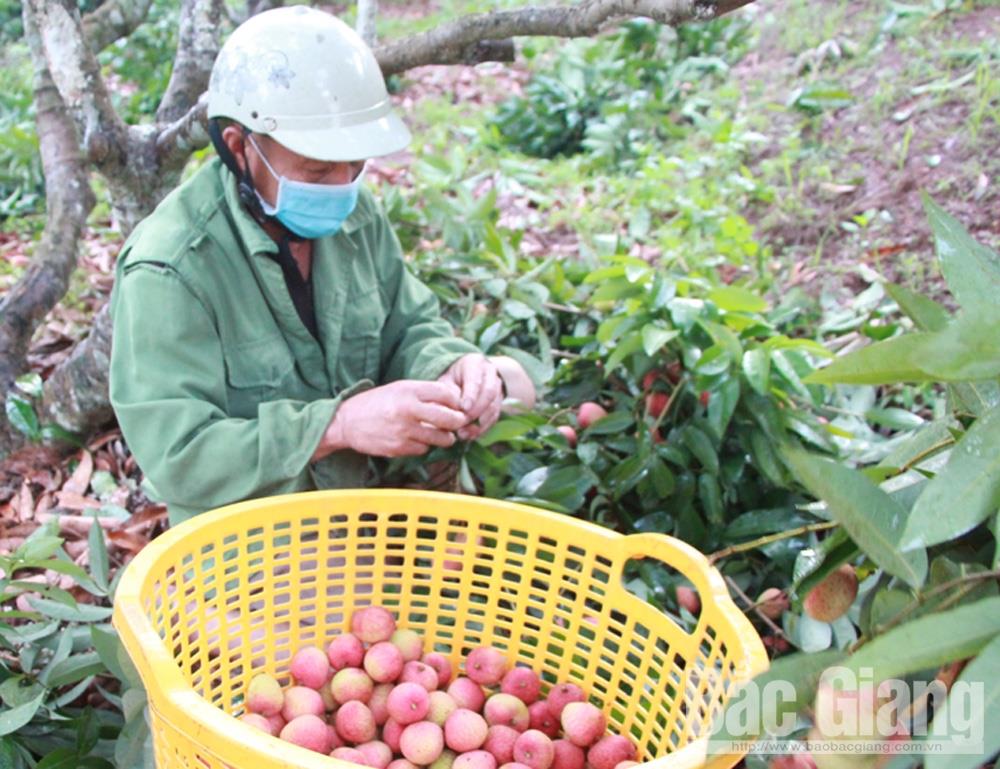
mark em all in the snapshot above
pixel 309 81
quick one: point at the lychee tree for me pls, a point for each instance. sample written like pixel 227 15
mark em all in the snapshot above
pixel 920 530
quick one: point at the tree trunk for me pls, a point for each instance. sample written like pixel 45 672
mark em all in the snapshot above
pixel 69 200
pixel 76 397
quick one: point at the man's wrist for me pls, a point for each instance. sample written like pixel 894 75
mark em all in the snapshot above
pixel 333 437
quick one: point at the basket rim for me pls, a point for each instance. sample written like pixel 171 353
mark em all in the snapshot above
pixel 190 711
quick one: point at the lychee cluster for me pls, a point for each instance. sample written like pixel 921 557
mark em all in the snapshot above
pixel 374 698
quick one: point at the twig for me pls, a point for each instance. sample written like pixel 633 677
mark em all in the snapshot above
pixel 563 308
pixel 754 544
pixel 751 605
pixel 922 599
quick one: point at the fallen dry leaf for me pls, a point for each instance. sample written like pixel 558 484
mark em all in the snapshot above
pixel 79 482
pixel 24 503
pixel 73 501
pixel 128 541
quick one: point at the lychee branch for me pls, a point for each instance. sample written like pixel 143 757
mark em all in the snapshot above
pixel 755 607
pixel 966 583
pixel 757 543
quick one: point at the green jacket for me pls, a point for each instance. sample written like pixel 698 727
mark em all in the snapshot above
pixel 220 391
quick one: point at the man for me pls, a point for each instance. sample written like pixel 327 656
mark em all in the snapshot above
pixel 267 335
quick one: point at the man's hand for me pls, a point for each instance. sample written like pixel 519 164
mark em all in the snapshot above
pixel 482 393
pixel 403 418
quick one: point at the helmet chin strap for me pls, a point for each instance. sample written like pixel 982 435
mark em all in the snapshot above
pixel 244 180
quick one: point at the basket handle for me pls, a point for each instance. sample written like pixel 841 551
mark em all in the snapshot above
pixel 680 556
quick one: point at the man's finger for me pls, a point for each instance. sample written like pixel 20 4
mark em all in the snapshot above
pixel 411 448
pixel 445 393
pixel 486 421
pixel 489 395
pixel 439 416
pixel 431 436
pixel 472 385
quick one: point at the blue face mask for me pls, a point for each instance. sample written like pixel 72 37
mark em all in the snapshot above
pixel 311 210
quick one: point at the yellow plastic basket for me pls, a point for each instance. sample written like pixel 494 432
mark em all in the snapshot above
pixel 238 590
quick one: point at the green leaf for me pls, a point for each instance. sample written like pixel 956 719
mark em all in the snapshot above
pixel 995 528
pixel 722 406
pixel 784 362
pixel 74 669
pixel 517 310
pixel 133 702
pixel 615 422
pixel 13 755
pixel 930 641
pixel 971 270
pixel 968 349
pixel 751 712
pixel 894 360
pixel 872 518
pixel 61 653
pixel 888 604
pixel 928 441
pixel 30 384
pixel 927 314
pixel 18 690
pixel 72 694
pixel 896 419
pixel 539 371
pixel 80 613
pixel 506 430
pixel 711 499
pixel 766 458
pixel 715 361
pixel 60 758
pixel 21 415
pixel 983 670
pixel 663 479
pixel 134 747
pixel 628 345
pixel 654 337
pixel 38 549
pixel 110 650
pixel 566 486
pixel 965 493
pixel 98 553
pixel 13 719
pixel 757 523
pixel 735 299
pixel 625 475
pixel 977 398
pixel 757 369
pixel 95 762
pixel 701 446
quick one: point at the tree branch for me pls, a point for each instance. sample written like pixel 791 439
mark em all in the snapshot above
pixel 69 200
pixel 77 75
pixel 176 141
pixel 474 39
pixel 197 46
pixel 365 26
pixel 113 20
pixel 450 43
